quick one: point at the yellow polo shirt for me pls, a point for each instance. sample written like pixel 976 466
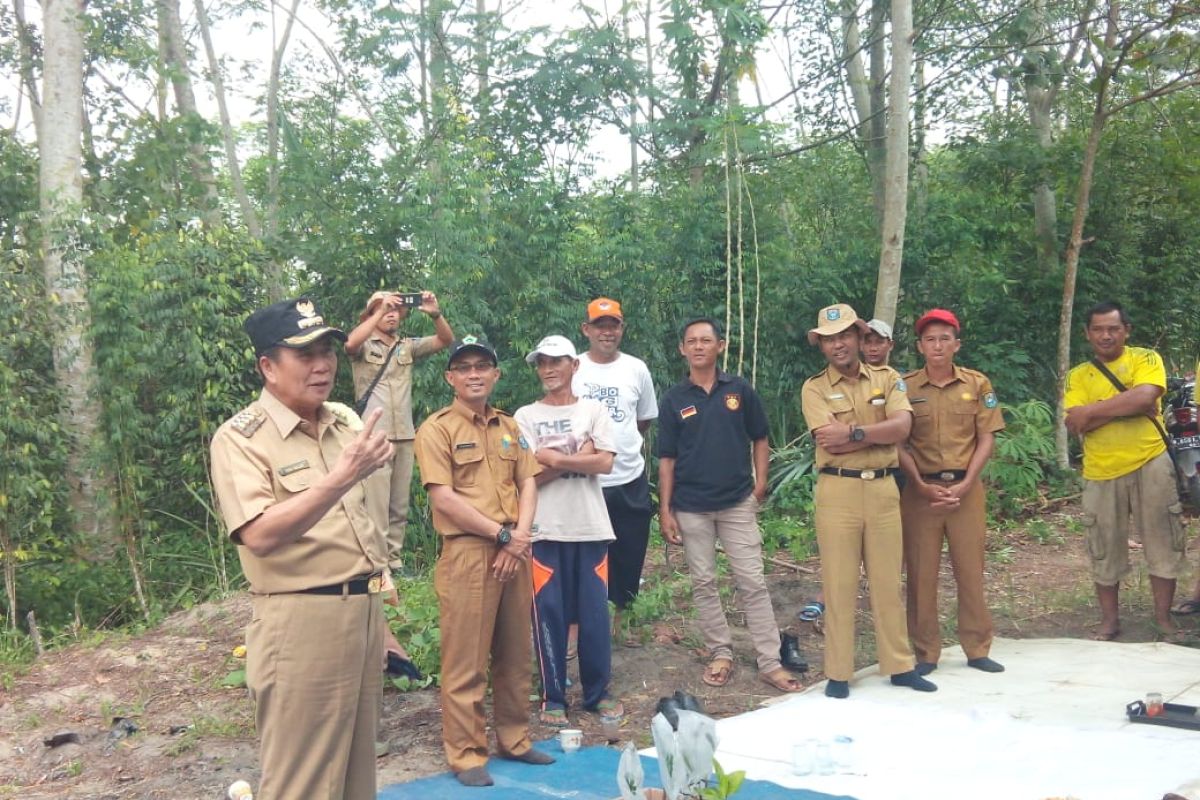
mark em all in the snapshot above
pixel 1123 445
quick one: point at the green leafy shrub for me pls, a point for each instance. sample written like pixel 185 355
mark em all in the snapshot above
pixel 1023 458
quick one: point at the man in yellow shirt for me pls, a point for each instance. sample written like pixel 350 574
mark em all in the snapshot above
pixel 1127 472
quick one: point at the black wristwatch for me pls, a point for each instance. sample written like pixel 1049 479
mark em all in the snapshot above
pixel 857 434
pixel 504 536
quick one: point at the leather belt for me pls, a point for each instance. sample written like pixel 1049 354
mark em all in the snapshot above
pixel 862 474
pixel 371 584
pixel 949 475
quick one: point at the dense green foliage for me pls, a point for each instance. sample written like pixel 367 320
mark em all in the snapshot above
pixel 486 199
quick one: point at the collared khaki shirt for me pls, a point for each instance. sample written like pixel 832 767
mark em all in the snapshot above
pixel 267 454
pixel 876 394
pixel 483 458
pixel 393 393
pixel 947 420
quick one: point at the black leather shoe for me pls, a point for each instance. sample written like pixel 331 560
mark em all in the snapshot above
pixel 986 664
pixel 475 776
pixel 789 653
pixel 925 667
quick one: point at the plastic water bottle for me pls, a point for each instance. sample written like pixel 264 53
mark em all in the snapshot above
pixel 239 790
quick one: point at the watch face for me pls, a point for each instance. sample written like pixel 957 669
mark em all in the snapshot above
pixel 505 536
pixel 857 435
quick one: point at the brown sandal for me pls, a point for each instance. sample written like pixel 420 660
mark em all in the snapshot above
pixel 718 671
pixel 782 680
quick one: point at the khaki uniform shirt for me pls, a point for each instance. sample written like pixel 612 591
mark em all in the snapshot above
pixel 265 455
pixel 483 458
pixel 879 392
pixel 393 393
pixel 947 420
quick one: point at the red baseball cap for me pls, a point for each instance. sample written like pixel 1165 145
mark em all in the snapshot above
pixel 937 315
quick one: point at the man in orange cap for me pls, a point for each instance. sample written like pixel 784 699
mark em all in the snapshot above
pixel 622 384
pixel 382 361
pixel 858 414
pixel 955 419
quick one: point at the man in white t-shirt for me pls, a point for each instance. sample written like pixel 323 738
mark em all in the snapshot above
pixel 573 441
pixel 623 386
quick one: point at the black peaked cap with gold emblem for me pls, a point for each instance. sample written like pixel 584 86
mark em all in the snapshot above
pixel 288 323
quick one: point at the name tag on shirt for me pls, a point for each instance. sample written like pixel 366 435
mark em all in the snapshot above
pixel 464 445
pixel 290 468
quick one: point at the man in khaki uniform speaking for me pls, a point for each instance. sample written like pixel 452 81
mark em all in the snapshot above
pixel 287 473
pixel 481 479
pixel 857 414
pixel 955 420
pixel 382 362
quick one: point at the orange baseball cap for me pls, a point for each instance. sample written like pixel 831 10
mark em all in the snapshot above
pixel 604 307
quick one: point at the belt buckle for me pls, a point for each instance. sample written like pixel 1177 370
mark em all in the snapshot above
pixel 867 474
pixel 946 476
pixel 375 584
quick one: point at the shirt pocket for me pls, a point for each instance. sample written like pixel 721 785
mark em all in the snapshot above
pixel 296 482
pixel 842 409
pixel 467 463
pixel 963 414
pixel 374 356
pixel 404 354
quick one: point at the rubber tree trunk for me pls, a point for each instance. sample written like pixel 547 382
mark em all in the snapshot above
pixel 61 198
pixel 249 214
pixel 173 56
pixel 895 211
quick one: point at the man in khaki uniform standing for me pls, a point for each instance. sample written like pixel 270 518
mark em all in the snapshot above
pixel 382 362
pixel 481 479
pixel 955 420
pixel 857 414
pixel 287 473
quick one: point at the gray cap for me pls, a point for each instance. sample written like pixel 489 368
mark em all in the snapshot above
pixel 880 327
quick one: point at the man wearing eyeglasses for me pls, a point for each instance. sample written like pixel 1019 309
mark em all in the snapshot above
pixel 481 478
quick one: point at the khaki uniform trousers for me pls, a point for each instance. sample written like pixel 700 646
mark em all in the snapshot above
pixel 387 490
pixel 482 617
pixel 314 667
pixel 965 528
pixel 737 529
pixel 858 522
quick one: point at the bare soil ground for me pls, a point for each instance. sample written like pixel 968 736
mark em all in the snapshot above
pixel 194 737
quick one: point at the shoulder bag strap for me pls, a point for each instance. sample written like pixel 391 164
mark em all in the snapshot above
pixel 360 404
pixel 1115 381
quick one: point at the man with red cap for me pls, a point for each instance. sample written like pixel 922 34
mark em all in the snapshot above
pixel 858 414
pixel 955 420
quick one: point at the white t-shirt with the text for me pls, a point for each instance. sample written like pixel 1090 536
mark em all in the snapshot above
pixel 626 391
pixel 571 507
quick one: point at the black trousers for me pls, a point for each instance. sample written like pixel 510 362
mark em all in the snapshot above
pixel 629 511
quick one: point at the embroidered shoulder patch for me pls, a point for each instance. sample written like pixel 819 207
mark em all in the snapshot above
pixel 901 386
pixel 248 420
pixel 989 400
pixel 345 415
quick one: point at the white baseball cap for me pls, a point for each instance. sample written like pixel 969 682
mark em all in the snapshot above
pixel 553 346
pixel 880 327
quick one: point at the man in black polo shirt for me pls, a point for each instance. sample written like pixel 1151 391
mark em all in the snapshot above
pixel 708 426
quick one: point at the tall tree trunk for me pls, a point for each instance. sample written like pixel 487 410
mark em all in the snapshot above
pixel 868 103
pixel 920 163
pixel 249 214
pixel 25 48
pixel 895 210
pixel 877 144
pixel 275 278
pixel 61 191
pixel 173 56
pixel 1083 193
pixel 633 106
pixel 438 62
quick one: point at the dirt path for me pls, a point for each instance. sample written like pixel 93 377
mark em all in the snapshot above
pixel 195 737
